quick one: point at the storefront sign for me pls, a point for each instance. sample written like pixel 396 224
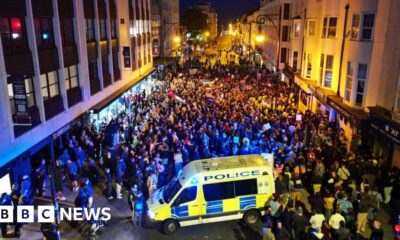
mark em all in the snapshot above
pixel 61 131
pixel 20 99
pixel 318 94
pixel 385 127
pixel 343 112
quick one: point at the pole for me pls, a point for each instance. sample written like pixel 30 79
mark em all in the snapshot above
pixel 164 47
pixel 250 38
pixel 342 49
pixel 52 187
pixel 279 38
pixel 302 43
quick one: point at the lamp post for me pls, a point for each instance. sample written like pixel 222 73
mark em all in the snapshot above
pixel 250 25
pixel 262 19
pixel 177 39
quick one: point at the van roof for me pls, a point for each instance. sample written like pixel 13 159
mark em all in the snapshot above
pixel 222 164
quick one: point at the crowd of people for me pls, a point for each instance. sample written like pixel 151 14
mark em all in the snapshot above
pixel 202 111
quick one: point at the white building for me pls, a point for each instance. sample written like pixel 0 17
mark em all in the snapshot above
pixel 71 56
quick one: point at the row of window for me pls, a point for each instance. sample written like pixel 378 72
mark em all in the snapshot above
pixel 361 27
pixel 90 33
pixel 50 86
pixel 14 39
pixel 326 76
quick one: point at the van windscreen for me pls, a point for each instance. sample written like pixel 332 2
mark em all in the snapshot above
pixel 171 189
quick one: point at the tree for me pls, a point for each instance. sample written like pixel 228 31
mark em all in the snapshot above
pixel 195 21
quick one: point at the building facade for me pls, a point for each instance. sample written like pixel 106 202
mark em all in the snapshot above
pixel 212 20
pixel 344 57
pixel 165 27
pixel 59 59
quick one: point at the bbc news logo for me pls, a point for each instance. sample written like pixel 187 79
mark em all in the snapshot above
pixel 46 214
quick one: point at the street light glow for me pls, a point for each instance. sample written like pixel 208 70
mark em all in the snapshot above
pixel 177 39
pixel 260 38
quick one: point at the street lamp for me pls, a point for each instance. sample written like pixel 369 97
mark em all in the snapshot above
pixel 207 34
pixel 262 19
pixel 177 39
pixel 260 38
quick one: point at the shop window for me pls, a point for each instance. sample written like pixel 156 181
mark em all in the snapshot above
pixel 67 31
pixel 361 82
pixel 310 28
pixel 71 77
pixel 50 85
pixel 12 34
pixel 30 94
pixel 89 28
pixel 349 82
pixel 329 27
pixel 103 29
pixel 326 66
pixel 44 32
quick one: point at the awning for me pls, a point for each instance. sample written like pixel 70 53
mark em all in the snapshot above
pixel 381 120
pixel 351 114
pixel 103 103
pixel 162 61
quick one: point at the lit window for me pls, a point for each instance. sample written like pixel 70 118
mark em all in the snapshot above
pixel 326 66
pixel 12 35
pixel 355 27
pixel 349 82
pixel 308 65
pixel 50 85
pixel 71 77
pixel 296 31
pixel 310 28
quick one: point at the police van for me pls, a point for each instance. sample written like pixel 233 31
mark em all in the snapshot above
pixel 214 190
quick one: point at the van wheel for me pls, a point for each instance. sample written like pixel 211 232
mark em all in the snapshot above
pixel 251 217
pixel 170 226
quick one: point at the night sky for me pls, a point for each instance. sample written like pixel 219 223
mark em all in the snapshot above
pixel 226 9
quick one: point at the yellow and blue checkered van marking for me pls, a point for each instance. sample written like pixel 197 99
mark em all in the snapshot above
pixel 214 207
pixel 247 202
pixel 181 211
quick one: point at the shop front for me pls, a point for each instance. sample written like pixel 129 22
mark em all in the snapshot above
pixel 113 105
pixel 353 122
pixel 385 136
